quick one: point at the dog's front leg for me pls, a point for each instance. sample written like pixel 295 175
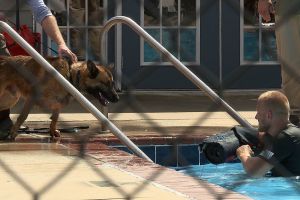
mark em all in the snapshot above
pixel 54 118
pixel 21 118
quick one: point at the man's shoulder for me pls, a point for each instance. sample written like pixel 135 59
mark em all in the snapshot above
pixel 292 130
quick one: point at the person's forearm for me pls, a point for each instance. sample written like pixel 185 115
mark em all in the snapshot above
pixel 49 25
pixel 253 166
pixel 246 164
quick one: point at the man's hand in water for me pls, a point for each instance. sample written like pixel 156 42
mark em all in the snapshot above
pixel 244 151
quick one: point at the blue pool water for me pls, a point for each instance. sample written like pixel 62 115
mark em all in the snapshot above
pixel 233 177
pixel 190 160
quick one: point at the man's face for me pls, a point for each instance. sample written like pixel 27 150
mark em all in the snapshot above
pixel 262 116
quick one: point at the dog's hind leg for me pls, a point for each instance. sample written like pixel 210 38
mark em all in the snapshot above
pixel 21 118
pixel 54 118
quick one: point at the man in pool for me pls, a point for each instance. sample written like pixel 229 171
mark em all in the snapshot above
pixel 280 138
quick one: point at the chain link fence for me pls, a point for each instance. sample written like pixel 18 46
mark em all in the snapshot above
pixel 174 13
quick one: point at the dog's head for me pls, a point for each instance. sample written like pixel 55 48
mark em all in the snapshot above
pixel 98 81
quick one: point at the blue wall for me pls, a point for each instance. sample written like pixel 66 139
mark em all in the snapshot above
pixel 234 75
pixel 167 77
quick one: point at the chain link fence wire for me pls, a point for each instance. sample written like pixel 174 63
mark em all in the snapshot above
pixel 130 101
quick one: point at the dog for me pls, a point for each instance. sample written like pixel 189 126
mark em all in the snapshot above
pixel 23 77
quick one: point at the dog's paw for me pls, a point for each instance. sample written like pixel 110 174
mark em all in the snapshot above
pixel 13 133
pixel 55 133
pixel 12 136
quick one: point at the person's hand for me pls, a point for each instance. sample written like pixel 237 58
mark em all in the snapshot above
pixel 244 151
pixel 64 50
pixel 265 8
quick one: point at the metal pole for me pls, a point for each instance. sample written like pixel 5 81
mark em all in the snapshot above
pixel 179 66
pixel 104 110
pixel 73 91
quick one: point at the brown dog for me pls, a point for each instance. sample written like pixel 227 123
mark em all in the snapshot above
pixel 23 77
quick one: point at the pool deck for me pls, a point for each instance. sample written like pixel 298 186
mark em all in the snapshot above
pixel 108 173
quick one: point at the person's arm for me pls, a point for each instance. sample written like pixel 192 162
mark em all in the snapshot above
pixel 265 8
pixel 50 26
pixel 44 16
pixel 253 166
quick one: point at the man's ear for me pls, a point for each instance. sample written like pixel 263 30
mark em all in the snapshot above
pixel 270 114
pixel 93 70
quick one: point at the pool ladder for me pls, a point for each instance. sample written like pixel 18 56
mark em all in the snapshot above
pixel 178 65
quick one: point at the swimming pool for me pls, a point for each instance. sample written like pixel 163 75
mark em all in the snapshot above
pixel 229 175
pixel 233 177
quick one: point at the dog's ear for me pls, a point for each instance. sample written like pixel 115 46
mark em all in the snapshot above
pixel 93 71
pixel 111 67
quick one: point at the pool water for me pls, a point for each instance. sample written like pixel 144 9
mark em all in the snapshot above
pixel 233 177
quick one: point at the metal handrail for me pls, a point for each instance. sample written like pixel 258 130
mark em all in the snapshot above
pixel 72 90
pixel 179 66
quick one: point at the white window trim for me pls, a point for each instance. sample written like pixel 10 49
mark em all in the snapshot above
pixel 197 62
pixel 242 28
pixel 86 27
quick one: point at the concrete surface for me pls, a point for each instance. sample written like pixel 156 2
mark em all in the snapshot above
pixel 141 114
pixel 162 109
pixel 74 178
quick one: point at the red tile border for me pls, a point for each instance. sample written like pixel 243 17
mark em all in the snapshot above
pixel 189 186
pixel 94 147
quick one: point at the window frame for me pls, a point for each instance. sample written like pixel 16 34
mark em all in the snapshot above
pixel 260 28
pixel 86 27
pixel 178 27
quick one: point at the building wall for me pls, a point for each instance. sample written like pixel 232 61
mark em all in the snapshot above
pixel 166 76
pixel 8 9
pixel 234 74
pixel 220 65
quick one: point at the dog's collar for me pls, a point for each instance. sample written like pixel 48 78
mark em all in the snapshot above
pixel 77 79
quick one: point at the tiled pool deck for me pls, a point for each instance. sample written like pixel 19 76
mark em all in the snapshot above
pixel 108 173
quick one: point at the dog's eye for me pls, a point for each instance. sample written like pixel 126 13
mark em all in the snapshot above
pixel 109 83
pixel 103 86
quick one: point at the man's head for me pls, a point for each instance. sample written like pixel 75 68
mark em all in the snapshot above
pixel 272 109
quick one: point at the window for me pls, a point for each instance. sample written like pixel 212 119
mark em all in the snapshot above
pixel 174 24
pixel 80 22
pixel 258 43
